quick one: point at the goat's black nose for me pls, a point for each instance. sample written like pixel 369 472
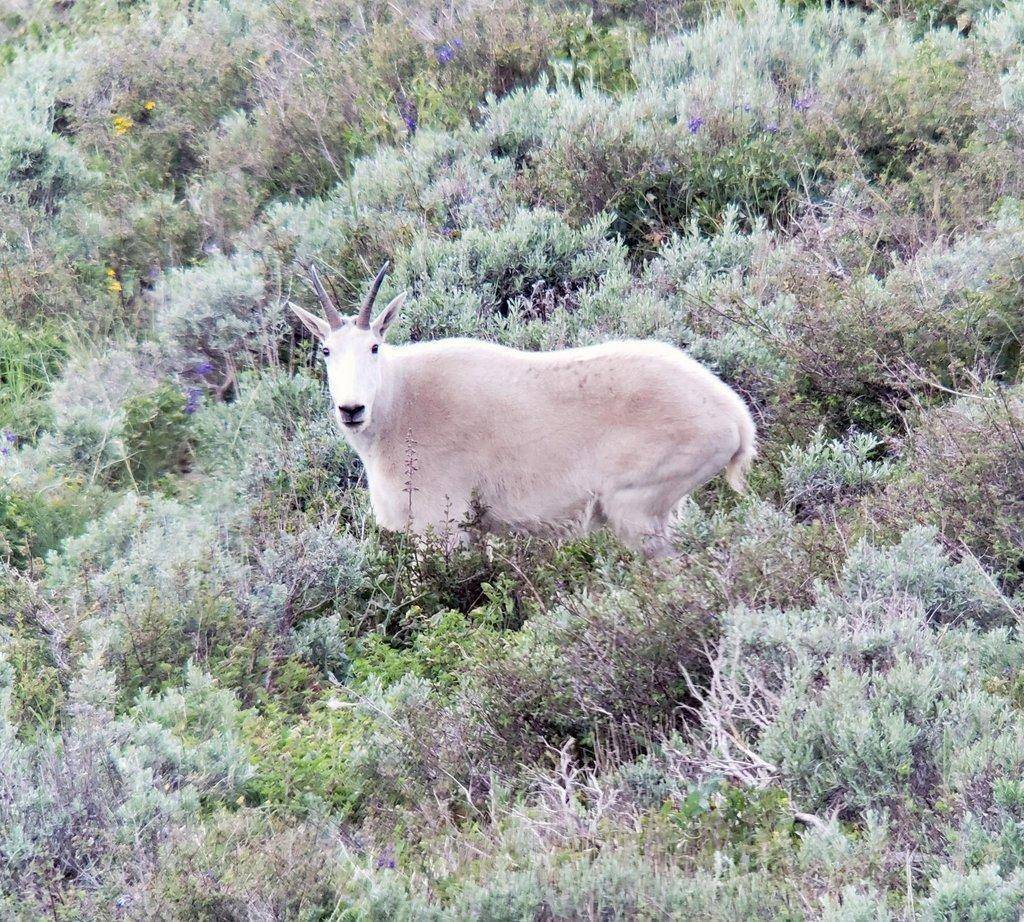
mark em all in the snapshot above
pixel 351 412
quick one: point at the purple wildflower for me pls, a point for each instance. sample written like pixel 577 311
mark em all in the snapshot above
pixel 771 128
pixel 203 368
pixel 10 437
pixel 746 107
pixel 192 396
pixel 407 109
pixel 457 44
pixel 694 124
pixel 802 104
pixel 445 53
pixel 387 859
pixel 448 231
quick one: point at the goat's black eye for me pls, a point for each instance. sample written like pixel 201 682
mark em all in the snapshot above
pixel 326 351
pixel 374 348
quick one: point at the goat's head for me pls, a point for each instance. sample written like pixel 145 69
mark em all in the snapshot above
pixel 352 350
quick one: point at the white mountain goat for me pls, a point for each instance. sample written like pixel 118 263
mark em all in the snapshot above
pixel 541 442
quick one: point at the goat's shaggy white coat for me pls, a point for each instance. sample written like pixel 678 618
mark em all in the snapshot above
pixel 541 442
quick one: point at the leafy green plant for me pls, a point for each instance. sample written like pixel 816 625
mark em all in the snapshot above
pixel 156 433
pixel 29 361
pixel 755 826
pixel 594 54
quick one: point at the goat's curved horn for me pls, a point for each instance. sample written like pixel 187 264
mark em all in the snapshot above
pixel 363 318
pixel 333 317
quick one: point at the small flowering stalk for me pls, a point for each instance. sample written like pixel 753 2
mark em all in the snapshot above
pixel 407 109
pixel 192 397
pixel 114 285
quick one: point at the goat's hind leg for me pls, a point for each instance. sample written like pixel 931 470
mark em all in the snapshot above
pixel 636 516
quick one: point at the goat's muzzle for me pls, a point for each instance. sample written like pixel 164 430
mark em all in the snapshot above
pixel 352 414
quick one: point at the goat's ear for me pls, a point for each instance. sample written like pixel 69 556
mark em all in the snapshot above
pixel 314 324
pixel 387 316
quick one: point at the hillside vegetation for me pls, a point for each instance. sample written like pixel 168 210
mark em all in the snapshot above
pixel 226 695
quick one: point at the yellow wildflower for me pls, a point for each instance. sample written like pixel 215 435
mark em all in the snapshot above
pixel 113 285
pixel 123 124
pixel 149 105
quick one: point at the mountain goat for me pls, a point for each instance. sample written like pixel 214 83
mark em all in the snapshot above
pixel 613 434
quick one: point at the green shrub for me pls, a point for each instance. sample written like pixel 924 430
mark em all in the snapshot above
pixel 33 656
pixel 33 523
pixel 537 270
pixel 304 764
pixel 827 472
pixel 189 737
pixel 940 319
pixel 156 433
pixel 964 476
pixel 219 312
pixel 974 896
pixel 29 361
pixel 613 665
pixel 918 568
pixel 37 169
pixel 594 54
pixel 17 533
pixel 277 444
pixel 243 863
pixel 848 700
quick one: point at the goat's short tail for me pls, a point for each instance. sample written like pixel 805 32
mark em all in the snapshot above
pixel 739 464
